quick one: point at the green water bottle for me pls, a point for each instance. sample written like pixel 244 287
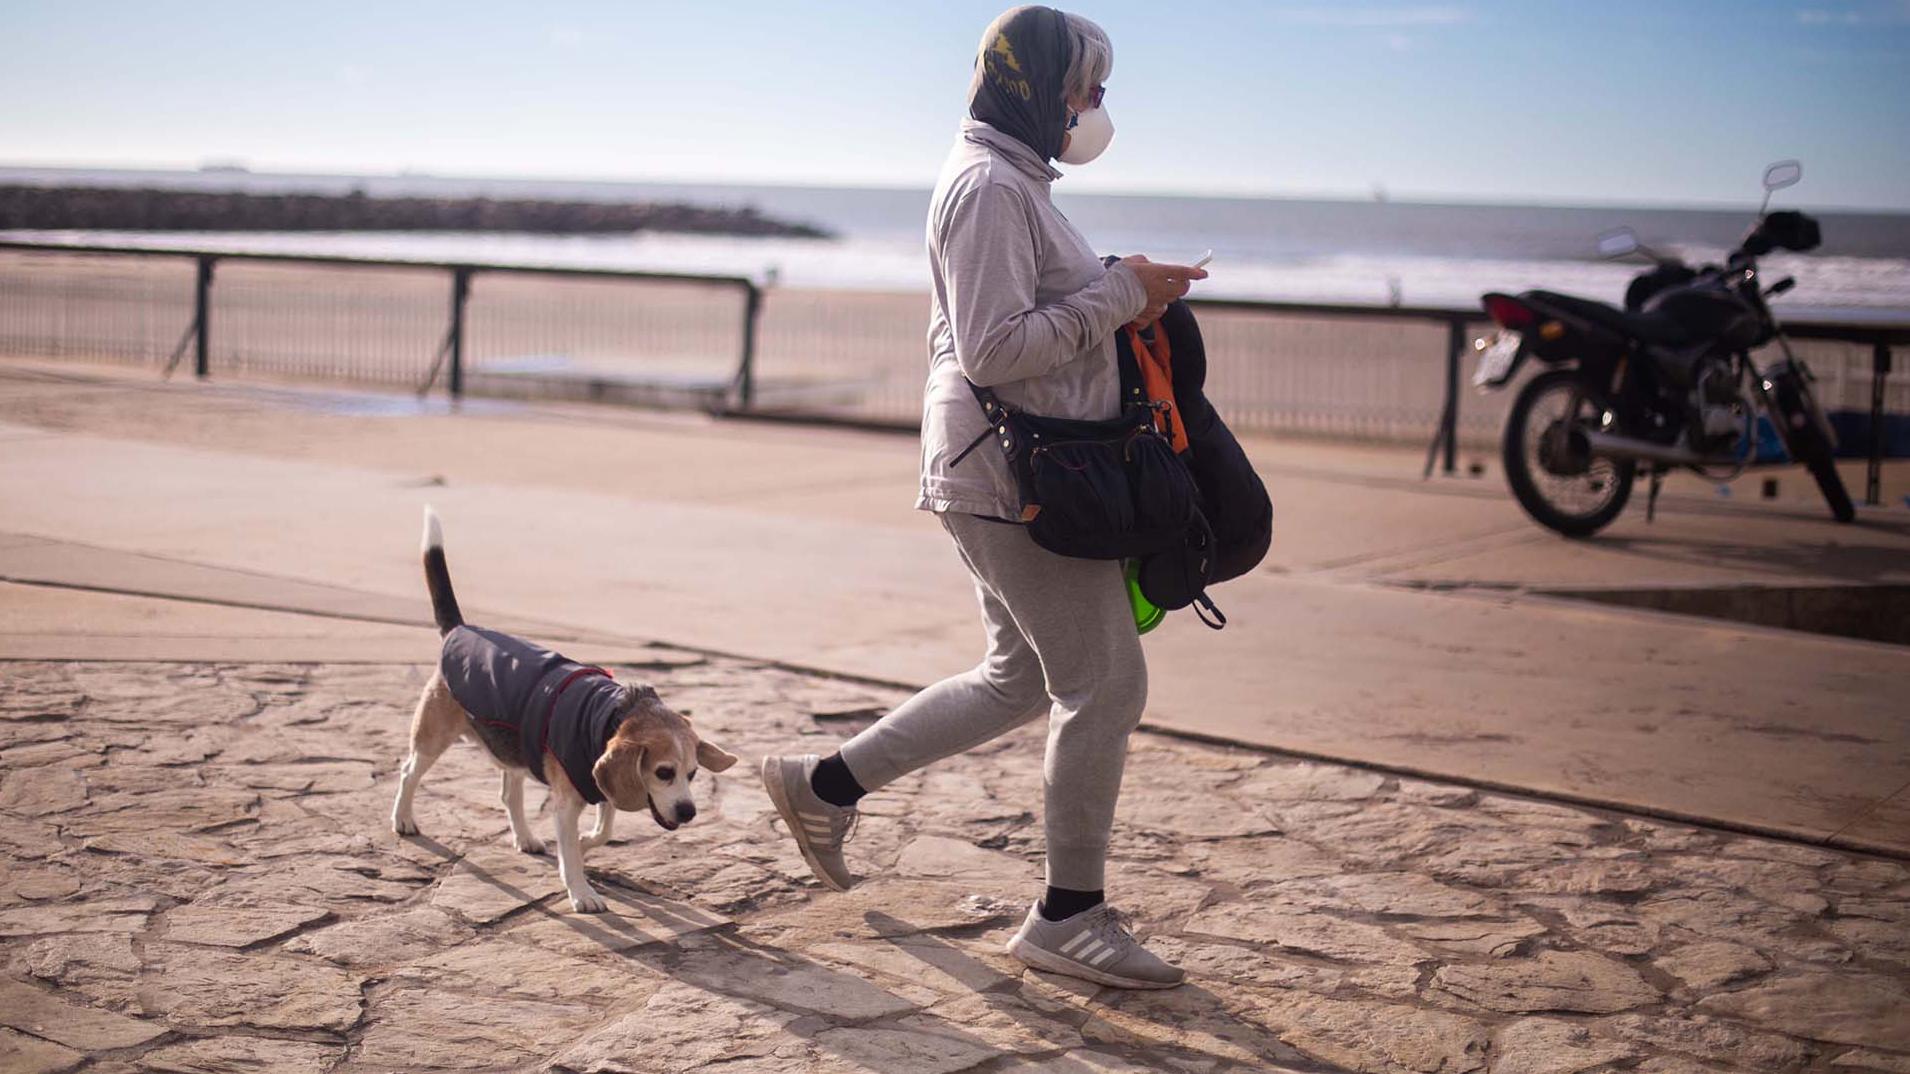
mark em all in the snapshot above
pixel 1146 615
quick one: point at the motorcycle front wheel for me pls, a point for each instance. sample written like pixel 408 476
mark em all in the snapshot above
pixel 1552 473
pixel 1815 452
pixel 1807 435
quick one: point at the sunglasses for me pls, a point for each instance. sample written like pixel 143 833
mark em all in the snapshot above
pixel 1094 101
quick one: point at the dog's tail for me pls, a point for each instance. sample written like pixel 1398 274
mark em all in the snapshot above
pixel 437 577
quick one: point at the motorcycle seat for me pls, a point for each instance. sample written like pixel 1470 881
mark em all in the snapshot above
pixel 1652 327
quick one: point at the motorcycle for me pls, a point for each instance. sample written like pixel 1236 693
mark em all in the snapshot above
pixel 1665 383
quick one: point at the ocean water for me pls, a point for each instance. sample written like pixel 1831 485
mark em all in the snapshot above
pixel 1368 252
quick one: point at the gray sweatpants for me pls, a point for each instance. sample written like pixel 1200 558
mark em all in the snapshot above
pixel 1061 640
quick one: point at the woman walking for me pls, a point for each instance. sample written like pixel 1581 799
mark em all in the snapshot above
pixel 1024 306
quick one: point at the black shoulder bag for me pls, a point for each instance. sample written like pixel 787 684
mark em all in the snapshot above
pixel 1095 489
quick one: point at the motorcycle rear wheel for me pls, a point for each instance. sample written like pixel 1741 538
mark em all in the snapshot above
pixel 1576 497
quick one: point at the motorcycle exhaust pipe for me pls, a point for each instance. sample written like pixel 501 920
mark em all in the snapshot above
pixel 1625 447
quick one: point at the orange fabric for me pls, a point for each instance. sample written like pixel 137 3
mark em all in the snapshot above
pixel 1157 379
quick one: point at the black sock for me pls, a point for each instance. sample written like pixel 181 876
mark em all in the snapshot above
pixel 833 784
pixel 1067 902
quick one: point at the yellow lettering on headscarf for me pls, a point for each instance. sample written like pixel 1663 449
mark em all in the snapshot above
pixel 999 60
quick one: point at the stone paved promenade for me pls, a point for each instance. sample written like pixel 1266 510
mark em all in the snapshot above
pixel 199 876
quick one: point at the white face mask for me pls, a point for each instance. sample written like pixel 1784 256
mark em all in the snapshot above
pixel 1088 136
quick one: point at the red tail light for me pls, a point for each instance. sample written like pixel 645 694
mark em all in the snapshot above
pixel 1509 312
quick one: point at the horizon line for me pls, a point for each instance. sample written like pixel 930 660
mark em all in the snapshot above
pixel 1378 195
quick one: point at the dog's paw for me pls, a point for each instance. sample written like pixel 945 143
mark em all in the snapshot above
pixel 588 901
pixel 593 841
pixel 404 825
pixel 529 844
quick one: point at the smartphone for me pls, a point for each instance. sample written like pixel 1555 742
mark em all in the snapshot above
pixel 1204 258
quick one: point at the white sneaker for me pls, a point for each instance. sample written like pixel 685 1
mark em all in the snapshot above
pixel 818 827
pixel 1094 945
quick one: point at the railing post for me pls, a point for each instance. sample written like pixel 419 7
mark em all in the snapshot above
pixel 1879 369
pixel 1446 437
pixel 1455 346
pixel 746 369
pixel 202 320
pixel 460 295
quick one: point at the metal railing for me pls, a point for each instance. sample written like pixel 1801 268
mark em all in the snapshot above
pixel 725 344
pixel 548 331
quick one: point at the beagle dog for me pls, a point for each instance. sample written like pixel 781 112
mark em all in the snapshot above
pixel 591 739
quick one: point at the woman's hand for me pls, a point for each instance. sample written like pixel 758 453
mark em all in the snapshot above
pixel 1164 284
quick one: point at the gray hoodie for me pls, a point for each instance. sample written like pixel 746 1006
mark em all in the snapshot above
pixel 1021 303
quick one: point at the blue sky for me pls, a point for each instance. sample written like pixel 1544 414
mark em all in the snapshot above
pixel 1558 101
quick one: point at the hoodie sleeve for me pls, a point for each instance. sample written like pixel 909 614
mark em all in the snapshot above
pixel 988 267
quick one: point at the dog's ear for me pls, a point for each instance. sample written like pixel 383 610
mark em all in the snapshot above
pixel 714 758
pixel 621 781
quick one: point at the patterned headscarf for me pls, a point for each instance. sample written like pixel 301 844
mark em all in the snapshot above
pixel 1018 74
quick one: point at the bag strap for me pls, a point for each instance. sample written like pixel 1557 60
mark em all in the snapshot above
pixel 1204 606
pixel 972 445
pixel 992 408
pixel 1133 387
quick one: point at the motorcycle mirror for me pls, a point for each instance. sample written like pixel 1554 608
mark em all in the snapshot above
pixel 1782 174
pixel 1618 242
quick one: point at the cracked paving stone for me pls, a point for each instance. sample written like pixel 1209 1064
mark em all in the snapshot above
pixel 1879 941
pixel 126 915
pixel 1394 894
pixel 917 1050
pixel 39 883
pixel 1372 1037
pixel 936 964
pixel 28 839
pixel 237 1055
pixel 203 849
pixel 1872 1061
pixel 43 1014
pixel 1247 965
pixel 1710 1039
pixel 1006 1021
pixel 329 777
pixel 1598 924
pixel 941 858
pixel 680 1028
pixel 1704 967
pixel 192 810
pixel 204 987
pixel 21 1054
pixel 1191 1018
pixel 239 926
pixel 1091 1061
pixel 413 1029
pixel 784 980
pixel 1591 878
pixel 1551 1046
pixel 1492 937
pixel 37 792
pixel 383 941
pixel 1298 927
pixel 1306 781
pixel 493 882
pixel 634 919
pixel 1191 817
pixel 880 908
pixel 1723 916
pixel 100 966
pixel 503 968
pixel 1844 1007
pixel 1548 981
